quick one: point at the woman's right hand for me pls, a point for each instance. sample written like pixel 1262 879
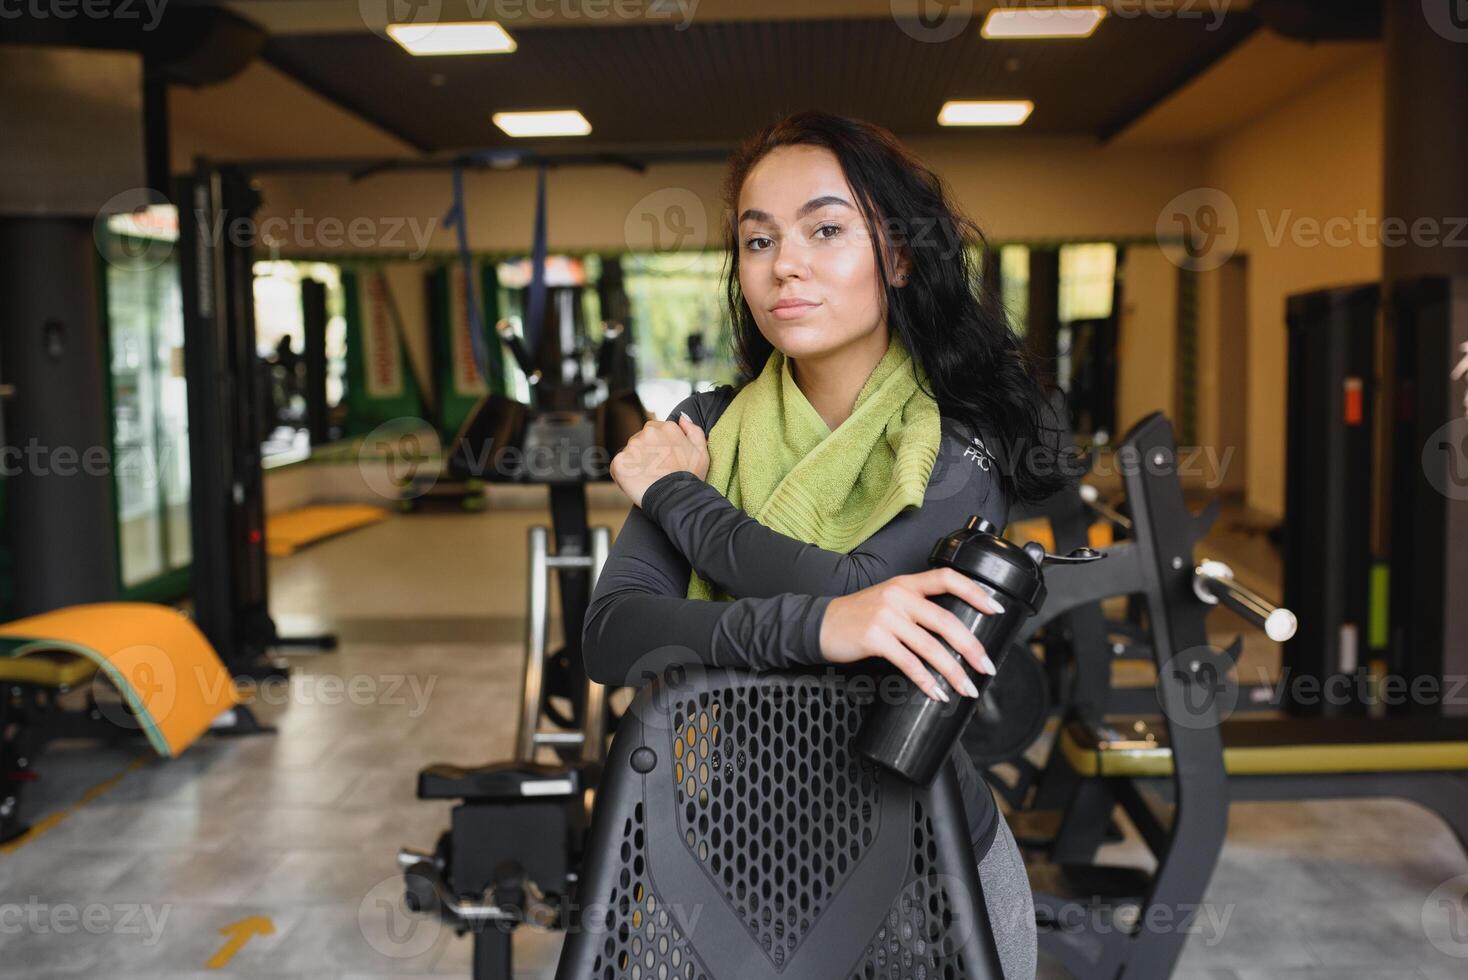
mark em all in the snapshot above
pixel 896 621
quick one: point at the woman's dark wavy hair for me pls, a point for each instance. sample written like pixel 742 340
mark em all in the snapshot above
pixel 952 323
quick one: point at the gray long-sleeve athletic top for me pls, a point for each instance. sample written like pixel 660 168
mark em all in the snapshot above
pixel 639 618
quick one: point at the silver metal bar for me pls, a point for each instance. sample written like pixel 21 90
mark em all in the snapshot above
pixel 594 718
pixel 535 636
pixel 557 738
pixel 409 856
pixel 569 561
pixel 1092 498
pixel 475 911
pixel 1213 582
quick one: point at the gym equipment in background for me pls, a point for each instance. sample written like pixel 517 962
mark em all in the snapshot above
pixel 514 844
pixel 557 443
pixel 1157 563
pixel 1429 503
pixel 737 833
pixel 1328 489
pixel 163 680
pixel 1174 777
pixel 230 569
pixel 1376 522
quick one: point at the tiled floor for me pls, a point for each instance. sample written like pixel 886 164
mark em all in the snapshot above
pixel 297 832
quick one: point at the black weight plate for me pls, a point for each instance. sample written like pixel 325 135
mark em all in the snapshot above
pixel 1012 712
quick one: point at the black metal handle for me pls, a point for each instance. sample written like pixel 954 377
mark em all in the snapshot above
pixel 1078 556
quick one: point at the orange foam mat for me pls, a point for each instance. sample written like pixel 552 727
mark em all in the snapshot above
pixel 1038 529
pixel 167 671
pixel 287 533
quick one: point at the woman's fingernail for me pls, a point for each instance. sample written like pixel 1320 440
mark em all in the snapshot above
pixel 994 601
pixel 969 689
pixel 684 415
pixel 937 694
pixel 989 667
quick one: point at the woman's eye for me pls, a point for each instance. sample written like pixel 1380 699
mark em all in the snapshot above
pixel 833 228
pixel 751 243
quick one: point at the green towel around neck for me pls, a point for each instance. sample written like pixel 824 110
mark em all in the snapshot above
pixel 773 456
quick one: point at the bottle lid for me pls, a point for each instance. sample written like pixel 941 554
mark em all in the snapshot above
pixel 979 552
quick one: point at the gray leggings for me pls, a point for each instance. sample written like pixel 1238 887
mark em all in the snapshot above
pixel 1011 904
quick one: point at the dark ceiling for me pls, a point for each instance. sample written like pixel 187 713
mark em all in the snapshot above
pixel 714 83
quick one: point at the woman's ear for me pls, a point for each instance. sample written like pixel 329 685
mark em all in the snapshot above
pixel 901 271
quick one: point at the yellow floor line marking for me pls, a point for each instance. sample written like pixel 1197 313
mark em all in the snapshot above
pixel 51 820
pixel 239 933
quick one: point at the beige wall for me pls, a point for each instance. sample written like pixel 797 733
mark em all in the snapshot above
pixel 1316 157
pixel 1025 189
pixel 1146 337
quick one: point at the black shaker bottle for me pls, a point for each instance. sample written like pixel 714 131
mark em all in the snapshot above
pixel 912 737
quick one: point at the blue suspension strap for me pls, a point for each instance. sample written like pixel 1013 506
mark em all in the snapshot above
pixel 456 219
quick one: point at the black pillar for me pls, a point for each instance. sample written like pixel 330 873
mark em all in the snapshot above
pixel 1042 321
pixel 313 320
pixel 1421 434
pixel 59 515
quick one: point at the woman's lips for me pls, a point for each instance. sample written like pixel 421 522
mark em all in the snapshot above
pixel 794 312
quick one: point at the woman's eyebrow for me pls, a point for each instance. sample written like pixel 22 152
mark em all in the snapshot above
pixel 814 204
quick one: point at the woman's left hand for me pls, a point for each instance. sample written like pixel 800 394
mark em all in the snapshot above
pixel 659 449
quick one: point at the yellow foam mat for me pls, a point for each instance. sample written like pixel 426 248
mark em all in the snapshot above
pixel 1038 529
pixel 53 668
pixel 167 671
pixel 1140 759
pixel 287 533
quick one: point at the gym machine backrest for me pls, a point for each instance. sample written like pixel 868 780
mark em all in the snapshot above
pixel 737 834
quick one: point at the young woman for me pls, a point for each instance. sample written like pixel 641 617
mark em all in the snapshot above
pixel 883 401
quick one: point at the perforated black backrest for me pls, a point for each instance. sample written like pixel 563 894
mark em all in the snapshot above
pixel 737 835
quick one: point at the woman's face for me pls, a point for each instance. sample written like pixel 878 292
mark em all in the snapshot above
pixel 802 238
